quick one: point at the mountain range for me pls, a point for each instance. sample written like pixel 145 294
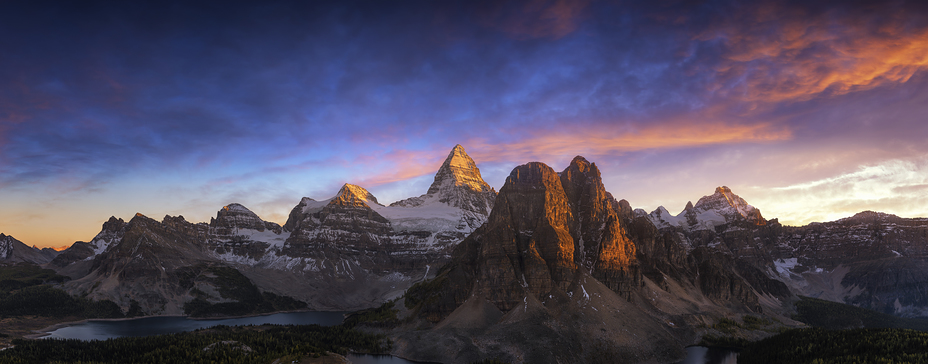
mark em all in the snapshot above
pixel 553 268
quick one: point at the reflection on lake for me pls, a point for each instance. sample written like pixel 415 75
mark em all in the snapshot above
pixel 704 355
pixel 102 330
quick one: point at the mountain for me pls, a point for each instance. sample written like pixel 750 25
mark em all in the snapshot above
pixel 458 184
pixel 872 260
pixel 14 251
pixel 352 248
pixel 722 207
pixel 561 259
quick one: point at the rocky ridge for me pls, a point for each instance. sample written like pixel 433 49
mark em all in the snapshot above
pixel 14 251
pixel 561 258
pixel 720 208
pixel 872 260
pixel 350 246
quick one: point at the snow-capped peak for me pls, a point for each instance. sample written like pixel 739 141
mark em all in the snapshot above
pixel 726 203
pixel 6 245
pixel 457 184
pixel 458 170
pixel 354 195
pixel 721 207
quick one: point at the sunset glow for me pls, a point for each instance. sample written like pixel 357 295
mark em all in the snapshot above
pixel 808 112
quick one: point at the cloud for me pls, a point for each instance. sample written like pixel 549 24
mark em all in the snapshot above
pixel 534 18
pixel 894 186
pixel 553 145
pixel 606 140
pixel 779 52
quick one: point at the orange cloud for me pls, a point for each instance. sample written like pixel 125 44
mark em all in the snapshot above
pixel 587 142
pixel 603 142
pixel 407 164
pixel 776 53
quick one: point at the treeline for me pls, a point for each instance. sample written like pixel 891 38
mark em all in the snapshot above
pixel 220 344
pixel 833 315
pixel 824 346
pixel 841 334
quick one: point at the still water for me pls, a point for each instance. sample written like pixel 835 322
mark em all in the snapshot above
pixel 102 330
pixel 704 355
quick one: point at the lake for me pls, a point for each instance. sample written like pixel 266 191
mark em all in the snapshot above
pixel 106 329
pixel 705 355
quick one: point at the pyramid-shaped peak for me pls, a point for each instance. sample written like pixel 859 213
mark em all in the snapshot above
pixel 458 170
pixel 730 205
pixel 722 193
pixel 353 195
pixel 237 208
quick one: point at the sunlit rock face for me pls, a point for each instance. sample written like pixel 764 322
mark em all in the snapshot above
pixel 602 244
pixel 561 258
pixel 545 229
pixel 458 184
pixel 532 251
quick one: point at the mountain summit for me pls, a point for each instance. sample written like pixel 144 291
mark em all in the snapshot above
pixel 719 208
pixel 354 196
pixel 458 183
pixel 729 205
pixel 458 170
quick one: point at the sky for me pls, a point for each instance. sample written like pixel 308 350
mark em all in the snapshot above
pixel 808 112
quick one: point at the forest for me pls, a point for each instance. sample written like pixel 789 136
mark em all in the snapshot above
pixel 840 334
pixel 26 289
pixel 218 344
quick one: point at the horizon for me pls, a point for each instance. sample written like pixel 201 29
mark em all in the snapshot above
pixel 810 112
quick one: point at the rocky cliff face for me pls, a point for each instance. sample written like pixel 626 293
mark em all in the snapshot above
pixel 597 229
pixel 872 259
pixel 554 244
pixel 14 251
pixel 235 217
pixel 141 262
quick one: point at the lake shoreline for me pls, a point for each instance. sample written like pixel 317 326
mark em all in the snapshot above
pixel 44 332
